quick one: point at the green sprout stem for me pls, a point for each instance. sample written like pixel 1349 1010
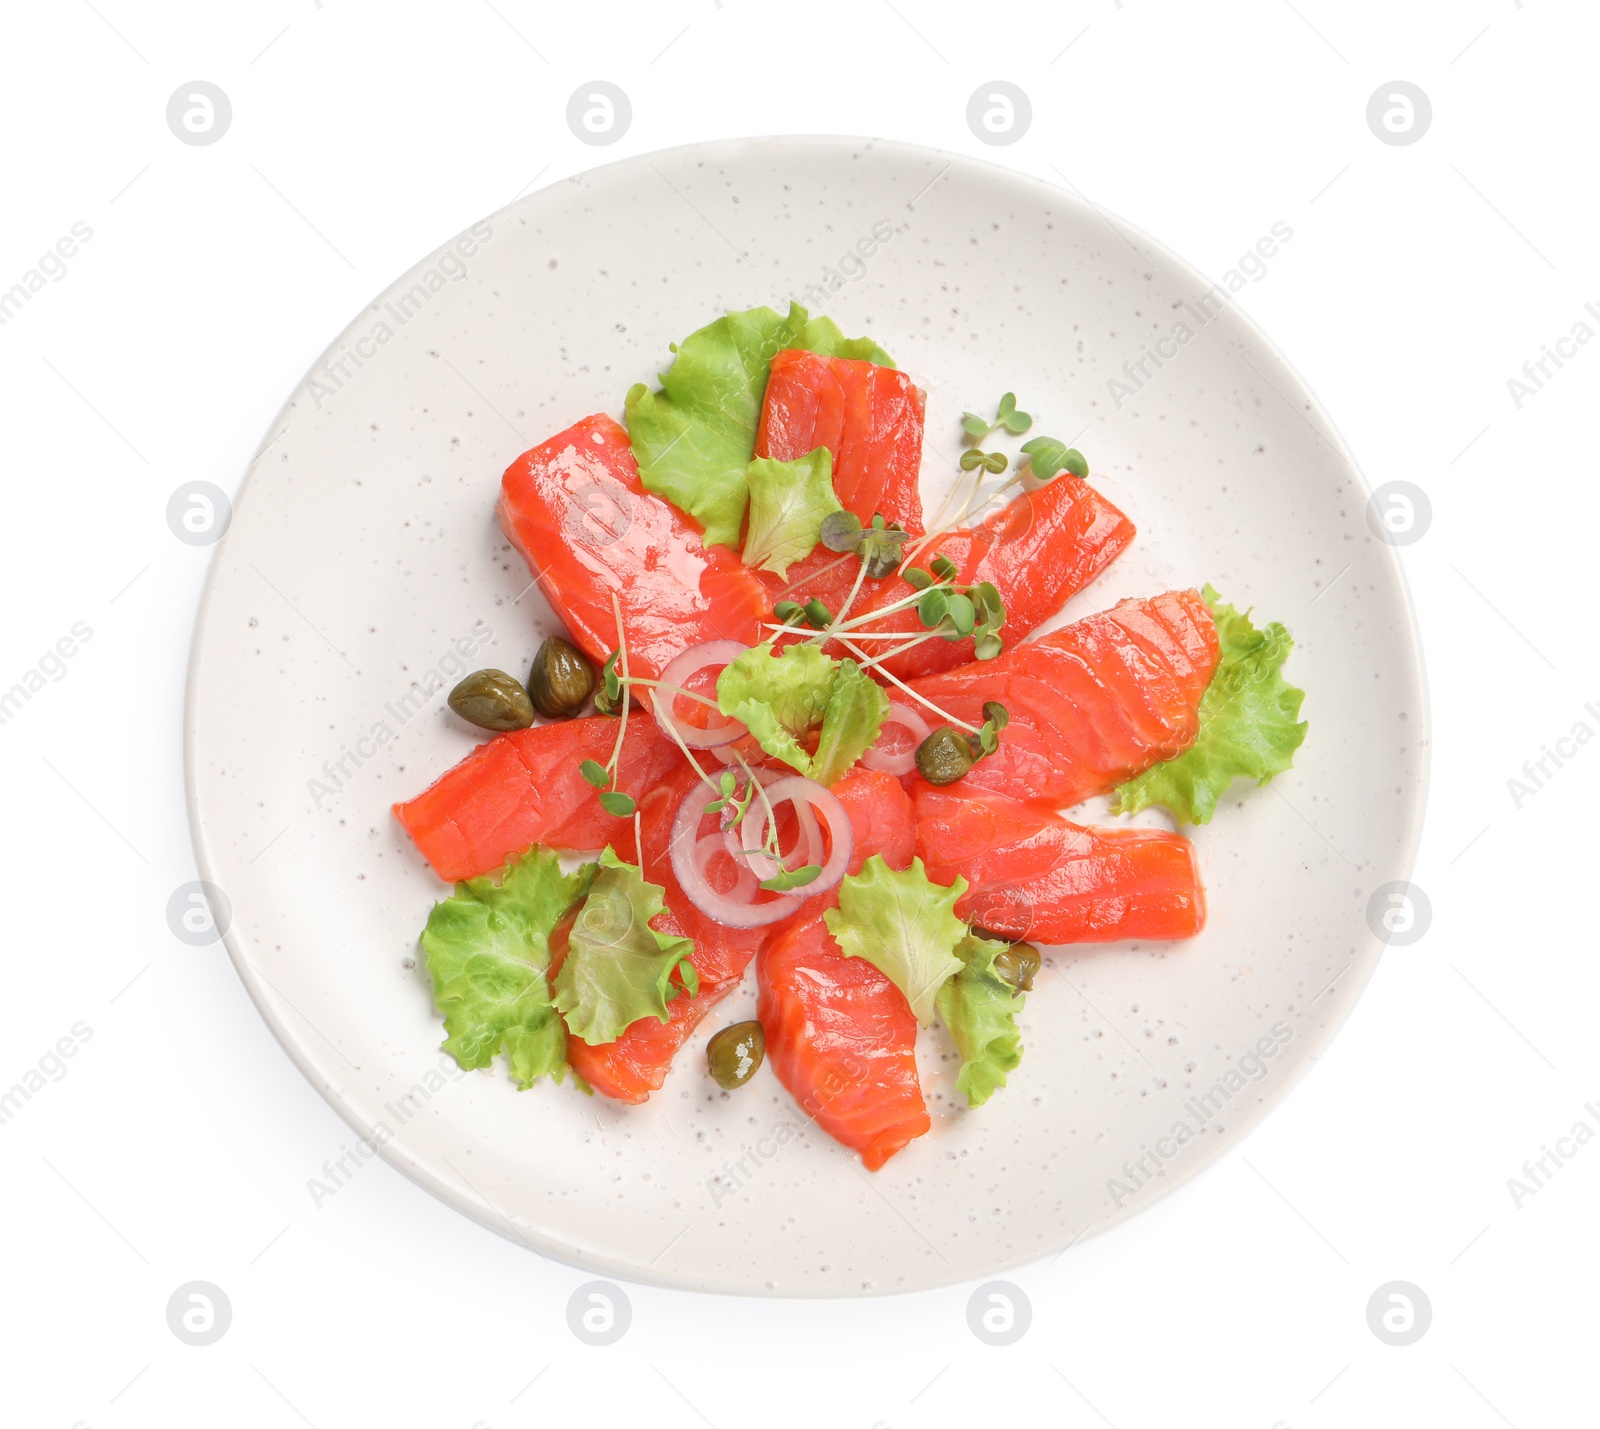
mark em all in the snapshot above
pixel 770 842
pixel 677 691
pixel 622 724
pixel 894 680
pixel 816 575
pixel 823 636
pixel 858 634
pixel 970 509
pixel 876 662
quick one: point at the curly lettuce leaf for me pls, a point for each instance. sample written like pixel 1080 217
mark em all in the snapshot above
pixel 618 969
pixel 694 438
pixel 980 1009
pixel 904 925
pixel 1250 723
pixel 788 501
pixel 782 695
pixel 856 709
pixel 488 949
pixel 792 683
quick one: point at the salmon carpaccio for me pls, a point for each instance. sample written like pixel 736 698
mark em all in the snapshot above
pixel 588 529
pixel 1033 874
pixel 1091 704
pixel 637 1063
pixel 525 788
pixel 1038 550
pixel 840 1036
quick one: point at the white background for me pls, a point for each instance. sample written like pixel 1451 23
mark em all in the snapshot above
pixel 178 1144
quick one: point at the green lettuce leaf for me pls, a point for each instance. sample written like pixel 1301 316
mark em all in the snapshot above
pixel 788 500
pixel 856 709
pixel 1250 724
pixel 781 696
pixel 793 684
pixel 618 968
pixel 904 925
pixel 488 949
pixel 980 1008
pixel 694 438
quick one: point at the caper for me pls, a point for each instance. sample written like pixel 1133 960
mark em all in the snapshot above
pixel 491 699
pixel 944 756
pixel 1017 965
pixel 561 679
pixel 734 1054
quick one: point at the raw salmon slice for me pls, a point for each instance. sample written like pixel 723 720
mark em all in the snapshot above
pixel 1038 550
pixel 842 1039
pixel 524 788
pixel 1091 704
pixel 637 1063
pixel 588 530
pixel 869 418
pixel 840 1035
pixel 1033 874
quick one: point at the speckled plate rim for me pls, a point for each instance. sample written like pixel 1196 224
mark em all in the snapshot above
pixel 1360 970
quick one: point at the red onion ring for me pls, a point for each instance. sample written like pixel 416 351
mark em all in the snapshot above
pixel 723 908
pixel 898 764
pixel 765 867
pixel 679 672
pixel 802 793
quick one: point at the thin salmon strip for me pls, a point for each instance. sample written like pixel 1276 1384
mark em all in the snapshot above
pixel 1032 874
pixel 524 788
pixel 841 1037
pixel 1038 551
pixel 637 1063
pixel 589 530
pixel 1091 704
pixel 869 418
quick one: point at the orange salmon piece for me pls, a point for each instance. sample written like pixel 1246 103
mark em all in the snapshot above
pixel 1033 874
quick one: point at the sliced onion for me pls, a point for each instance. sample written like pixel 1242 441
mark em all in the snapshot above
pixel 806 795
pixel 903 763
pixel 729 909
pixel 679 673
pixel 765 867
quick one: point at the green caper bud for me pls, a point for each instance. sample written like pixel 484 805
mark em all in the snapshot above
pixel 491 699
pixel 944 756
pixel 561 679
pixel 1017 965
pixel 734 1054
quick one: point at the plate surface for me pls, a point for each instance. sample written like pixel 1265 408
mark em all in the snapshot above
pixel 363 573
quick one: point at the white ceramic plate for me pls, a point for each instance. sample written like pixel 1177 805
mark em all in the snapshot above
pixel 363 556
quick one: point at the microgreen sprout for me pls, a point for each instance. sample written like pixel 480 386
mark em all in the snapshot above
pixel 879 545
pixel 987 738
pixel 789 878
pixel 1047 456
pixel 995 462
pixel 1006 415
